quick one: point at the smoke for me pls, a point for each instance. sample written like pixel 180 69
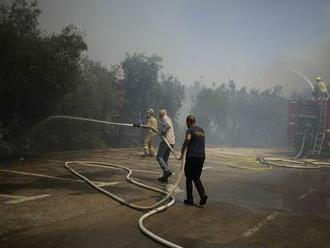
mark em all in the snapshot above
pixel 254 42
pixel 311 56
pixel 312 62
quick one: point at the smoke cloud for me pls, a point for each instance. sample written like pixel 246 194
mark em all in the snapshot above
pixel 254 42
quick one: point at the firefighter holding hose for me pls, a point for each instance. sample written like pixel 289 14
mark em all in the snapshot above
pixel 150 135
pixel 320 90
pixel 166 130
pixel 195 145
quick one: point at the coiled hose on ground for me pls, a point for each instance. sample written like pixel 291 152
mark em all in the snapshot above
pixel 294 164
pixel 159 206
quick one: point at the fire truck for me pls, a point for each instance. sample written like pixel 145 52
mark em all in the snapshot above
pixel 309 127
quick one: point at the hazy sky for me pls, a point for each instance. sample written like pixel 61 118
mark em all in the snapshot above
pixel 253 41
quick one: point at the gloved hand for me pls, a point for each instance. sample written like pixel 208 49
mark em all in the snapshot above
pixel 136 125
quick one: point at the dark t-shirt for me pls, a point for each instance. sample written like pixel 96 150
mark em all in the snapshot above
pixel 196 146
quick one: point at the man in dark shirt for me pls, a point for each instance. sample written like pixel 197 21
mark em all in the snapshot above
pixel 195 156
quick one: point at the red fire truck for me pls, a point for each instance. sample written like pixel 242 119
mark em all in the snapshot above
pixel 309 127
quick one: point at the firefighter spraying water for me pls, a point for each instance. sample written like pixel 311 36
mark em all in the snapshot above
pixel 150 135
pixel 309 121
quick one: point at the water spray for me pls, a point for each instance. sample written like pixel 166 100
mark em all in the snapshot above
pixel 111 123
pixel 304 77
pixel 167 201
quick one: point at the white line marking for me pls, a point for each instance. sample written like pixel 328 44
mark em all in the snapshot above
pixel 105 184
pixel 102 184
pixel 306 194
pixel 40 175
pixel 257 227
pixel 207 167
pixel 14 199
pixel 11 196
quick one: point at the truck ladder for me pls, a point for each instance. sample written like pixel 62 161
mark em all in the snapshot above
pixel 320 134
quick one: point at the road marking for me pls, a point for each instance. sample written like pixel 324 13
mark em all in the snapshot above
pixel 306 194
pixel 257 227
pixel 105 184
pixel 100 183
pixel 14 199
pixel 40 175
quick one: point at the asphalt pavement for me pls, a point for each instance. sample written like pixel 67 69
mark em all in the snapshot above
pixel 43 205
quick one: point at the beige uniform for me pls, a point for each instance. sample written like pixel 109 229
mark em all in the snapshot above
pixel 150 136
pixel 321 89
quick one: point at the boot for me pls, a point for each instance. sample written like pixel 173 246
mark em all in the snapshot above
pixel 166 175
pixel 203 200
pixel 163 179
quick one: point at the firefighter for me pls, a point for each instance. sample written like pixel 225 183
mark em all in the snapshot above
pixel 150 135
pixel 163 154
pixel 195 156
pixel 321 90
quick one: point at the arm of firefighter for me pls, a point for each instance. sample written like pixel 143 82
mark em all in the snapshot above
pixel 150 125
pixel 164 130
pixel 185 144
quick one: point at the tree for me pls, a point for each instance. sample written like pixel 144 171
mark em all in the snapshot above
pixel 145 87
pixel 99 94
pixel 36 69
pixel 172 94
pixel 238 117
pixel 140 83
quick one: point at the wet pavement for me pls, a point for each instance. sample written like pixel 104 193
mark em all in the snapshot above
pixel 250 205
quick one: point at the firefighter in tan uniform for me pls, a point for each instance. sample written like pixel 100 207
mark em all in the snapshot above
pixel 321 90
pixel 150 135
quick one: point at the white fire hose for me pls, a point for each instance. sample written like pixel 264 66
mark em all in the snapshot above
pixel 157 207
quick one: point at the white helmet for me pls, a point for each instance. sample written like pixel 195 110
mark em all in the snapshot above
pixel 151 111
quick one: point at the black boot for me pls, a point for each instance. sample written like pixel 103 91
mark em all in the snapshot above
pixel 166 175
pixel 203 200
pixel 163 179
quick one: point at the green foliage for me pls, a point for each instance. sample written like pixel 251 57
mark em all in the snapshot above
pixel 144 87
pixel 99 94
pixel 36 69
pixel 238 117
pixel 171 95
pixel 140 83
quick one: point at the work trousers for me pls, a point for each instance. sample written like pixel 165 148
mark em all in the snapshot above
pixel 193 170
pixel 148 143
pixel 163 155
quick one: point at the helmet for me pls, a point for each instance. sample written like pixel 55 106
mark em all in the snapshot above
pixel 318 79
pixel 151 111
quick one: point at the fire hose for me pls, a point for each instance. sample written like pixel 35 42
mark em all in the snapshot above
pixel 294 164
pixel 157 207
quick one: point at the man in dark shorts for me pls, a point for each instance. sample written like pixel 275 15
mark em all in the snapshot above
pixel 195 156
